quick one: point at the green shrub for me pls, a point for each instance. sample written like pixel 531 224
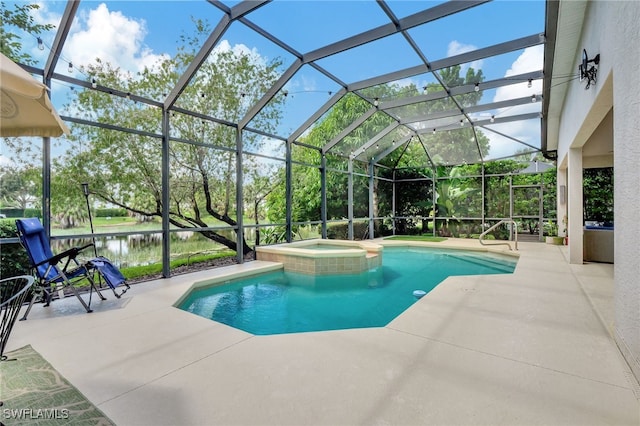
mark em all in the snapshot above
pixel 13 257
pixel 428 238
pixel 11 212
pixel 340 231
pixel 110 212
pixel 32 213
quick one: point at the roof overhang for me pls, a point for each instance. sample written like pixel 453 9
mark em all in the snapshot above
pixel 563 27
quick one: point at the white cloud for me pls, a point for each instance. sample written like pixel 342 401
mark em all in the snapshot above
pixel 44 16
pixel 112 37
pixel 238 50
pixel 527 131
pixel 457 48
pixel 530 60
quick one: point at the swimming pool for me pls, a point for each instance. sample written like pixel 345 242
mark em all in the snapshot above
pixel 289 302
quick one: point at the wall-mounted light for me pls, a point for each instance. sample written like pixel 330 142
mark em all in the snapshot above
pixel 588 73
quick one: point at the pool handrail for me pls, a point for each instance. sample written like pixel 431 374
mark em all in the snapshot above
pixel 482 242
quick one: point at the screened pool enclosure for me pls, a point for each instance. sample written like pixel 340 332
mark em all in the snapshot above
pixel 248 123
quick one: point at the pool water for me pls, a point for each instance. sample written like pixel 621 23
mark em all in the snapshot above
pixel 285 302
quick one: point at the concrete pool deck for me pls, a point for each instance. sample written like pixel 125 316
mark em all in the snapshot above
pixel 529 348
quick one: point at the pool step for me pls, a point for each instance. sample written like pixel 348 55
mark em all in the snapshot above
pixel 485 261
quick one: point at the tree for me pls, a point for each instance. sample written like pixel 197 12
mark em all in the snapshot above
pixel 258 188
pixel 124 169
pixel 19 18
pixel 20 187
pixel 598 194
pixel 305 184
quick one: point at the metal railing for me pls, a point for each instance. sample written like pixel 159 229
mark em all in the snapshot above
pixel 500 243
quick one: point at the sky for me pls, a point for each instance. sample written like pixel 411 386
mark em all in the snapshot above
pixel 136 34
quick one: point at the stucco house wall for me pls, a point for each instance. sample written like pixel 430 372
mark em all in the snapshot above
pixel 612 29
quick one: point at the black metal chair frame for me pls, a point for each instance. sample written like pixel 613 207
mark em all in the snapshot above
pixel 13 293
pixel 46 287
pixel 62 271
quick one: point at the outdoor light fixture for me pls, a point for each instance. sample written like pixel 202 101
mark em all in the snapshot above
pixel 477 88
pixel 587 73
pixel 94 83
pixel 40 44
pixel 461 123
pixel 375 102
pixel 493 118
pixel 533 98
pixel 70 69
pixel 434 131
pixel 530 83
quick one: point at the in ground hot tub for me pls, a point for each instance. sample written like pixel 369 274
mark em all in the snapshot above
pixel 323 257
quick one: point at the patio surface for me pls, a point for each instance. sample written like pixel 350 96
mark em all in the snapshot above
pixel 532 348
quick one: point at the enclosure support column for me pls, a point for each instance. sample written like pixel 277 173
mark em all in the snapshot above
pixel 323 195
pixel 371 218
pixel 484 201
pixel 434 184
pixel 350 199
pixel 574 199
pixel 166 244
pixel 541 211
pixel 46 180
pixel 393 203
pixel 510 207
pixel 288 193
pixel 46 185
pixel 239 198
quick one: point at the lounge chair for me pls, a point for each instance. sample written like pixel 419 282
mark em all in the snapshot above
pixel 64 270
